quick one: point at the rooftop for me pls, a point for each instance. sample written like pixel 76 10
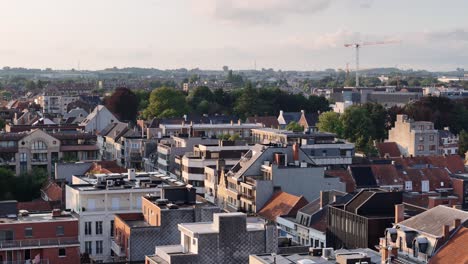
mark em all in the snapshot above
pixel 25 217
pixel 253 224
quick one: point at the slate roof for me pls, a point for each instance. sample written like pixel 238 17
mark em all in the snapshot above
pixel 267 121
pixel 431 221
pixel 282 204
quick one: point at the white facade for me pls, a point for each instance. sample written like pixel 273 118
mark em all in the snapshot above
pixel 55 104
pixel 96 207
pixel 98 119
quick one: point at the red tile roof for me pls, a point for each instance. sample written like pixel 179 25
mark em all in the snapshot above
pixel 108 166
pixel 454 163
pixel 38 206
pixel 454 251
pixel 388 148
pixel 345 177
pixel 53 191
pixel 282 204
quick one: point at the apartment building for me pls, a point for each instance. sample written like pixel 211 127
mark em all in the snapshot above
pixel 417 239
pixel 46 237
pixel 208 130
pixel 55 104
pixel 36 149
pixel 97 198
pixel 448 142
pixel 230 238
pixel 136 235
pixel 323 148
pixel 192 164
pixel 249 184
pixel 414 138
pixel 168 149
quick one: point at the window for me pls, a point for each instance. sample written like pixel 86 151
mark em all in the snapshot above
pixel 38 145
pixel 112 228
pixel 431 138
pixel 425 186
pixel 28 232
pixel 27 254
pixel 23 157
pixel 59 231
pixel 88 229
pixel 88 247
pixel 99 247
pixel 420 147
pixel 62 252
pixel 421 139
pixel 99 228
pixel 408 185
pixel 432 147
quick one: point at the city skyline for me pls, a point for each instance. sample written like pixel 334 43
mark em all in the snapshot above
pixel 288 35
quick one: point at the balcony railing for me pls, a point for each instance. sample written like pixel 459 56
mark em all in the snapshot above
pixel 117 249
pixel 40 261
pixel 247 196
pixel 38 243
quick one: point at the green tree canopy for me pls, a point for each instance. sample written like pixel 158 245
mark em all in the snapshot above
pixel 166 102
pixel 294 126
pixel 330 122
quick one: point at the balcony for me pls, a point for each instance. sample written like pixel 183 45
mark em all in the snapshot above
pixel 248 197
pixel 38 243
pixel 38 161
pixel 117 249
pixel 41 261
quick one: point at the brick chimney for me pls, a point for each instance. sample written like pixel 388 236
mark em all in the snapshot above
pixel 295 149
pixel 456 223
pixel 324 198
pixel 446 231
pixel 399 213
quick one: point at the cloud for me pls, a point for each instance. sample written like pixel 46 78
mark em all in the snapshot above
pixel 259 11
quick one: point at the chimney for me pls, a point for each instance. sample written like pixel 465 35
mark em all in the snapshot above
pixel 232 122
pixel 295 149
pixel 324 198
pixel 131 174
pixel 456 223
pixel 239 122
pixel 446 231
pixel 399 213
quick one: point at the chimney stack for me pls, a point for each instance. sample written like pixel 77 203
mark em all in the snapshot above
pixel 295 148
pixel 456 223
pixel 399 213
pixel 324 198
pixel 446 231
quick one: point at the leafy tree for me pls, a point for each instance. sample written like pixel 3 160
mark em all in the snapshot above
pixel 294 126
pixel 24 187
pixel 6 182
pixel 234 137
pixel 143 99
pixel 378 116
pixel 330 122
pixel 123 103
pixel 166 102
pixel 357 126
pixel 201 99
pixel 246 104
pixel 463 143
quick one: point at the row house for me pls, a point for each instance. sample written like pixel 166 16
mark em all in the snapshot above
pixel 418 239
pixel 136 234
pixel 36 149
pixel 97 198
pixel 45 237
pixel 209 130
pixel 251 182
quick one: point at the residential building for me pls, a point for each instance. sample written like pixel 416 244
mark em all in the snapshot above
pixel 230 238
pixel 46 237
pixel 249 184
pixel 453 251
pixel 308 120
pixel 460 188
pixel 55 104
pixel 360 222
pixel 97 198
pixel 417 239
pixel 319 255
pixel 136 235
pixel 284 118
pixel 448 142
pixel 169 149
pixel 98 119
pixel 414 138
pixel 266 121
pixel 208 130
pixel 192 164
pixel 323 148
pixel 36 149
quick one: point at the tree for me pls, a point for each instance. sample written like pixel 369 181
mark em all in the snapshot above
pixel 463 143
pixel 143 99
pixel 201 99
pixel 378 116
pixel 246 104
pixel 357 126
pixel 24 187
pixel 330 122
pixel 123 103
pixel 6 183
pixel 166 102
pixel 294 126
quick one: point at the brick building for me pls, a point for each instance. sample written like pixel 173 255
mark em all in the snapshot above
pixel 136 234
pixel 49 237
pixel 230 238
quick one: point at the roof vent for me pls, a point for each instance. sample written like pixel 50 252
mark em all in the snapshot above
pixel 162 201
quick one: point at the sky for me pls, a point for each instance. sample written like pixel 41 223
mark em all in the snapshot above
pixel 242 34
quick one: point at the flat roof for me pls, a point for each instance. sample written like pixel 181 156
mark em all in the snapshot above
pixel 38 217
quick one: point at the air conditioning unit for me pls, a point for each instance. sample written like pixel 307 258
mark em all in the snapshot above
pixel 327 253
